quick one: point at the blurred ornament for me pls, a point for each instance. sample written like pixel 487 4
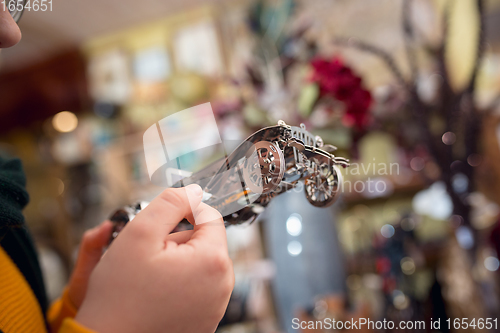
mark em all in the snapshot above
pixel 354 282
pixel 268 19
pixel 152 65
pixel 460 183
pixel 109 76
pixel 389 100
pixel 484 213
pixel 106 110
pixel 278 102
pixel 196 49
pixel 456 221
pixel 188 87
pixel 434 202
pixel 428 86
pixel 254 116
pixel 400 300
pixel 70 148
pixel 465 237
pixel 456 166
pixel 432 170
pixel 58 184
pixel 307 99
pixel 408 265
pixel 372 281
pixel 407 224
pixel 321 117
pixel 383 265
pixel 149 92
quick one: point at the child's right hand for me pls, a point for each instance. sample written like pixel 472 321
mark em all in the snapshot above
pixel 150 281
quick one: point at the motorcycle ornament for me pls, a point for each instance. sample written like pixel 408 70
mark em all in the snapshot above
pixel 269 162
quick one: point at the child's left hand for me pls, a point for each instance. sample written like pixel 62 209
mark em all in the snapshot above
pixel 93 242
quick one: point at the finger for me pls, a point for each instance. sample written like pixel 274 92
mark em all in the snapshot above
pixel 94 240
pixel 209 228
pixel 165 212
pixel 180 237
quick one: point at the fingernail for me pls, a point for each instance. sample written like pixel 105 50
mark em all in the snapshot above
pixel 194 192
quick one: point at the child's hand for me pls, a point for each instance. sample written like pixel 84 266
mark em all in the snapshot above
pixel 93 242
pixel 150 281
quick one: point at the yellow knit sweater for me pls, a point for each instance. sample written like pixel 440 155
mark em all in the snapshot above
pixel 20 311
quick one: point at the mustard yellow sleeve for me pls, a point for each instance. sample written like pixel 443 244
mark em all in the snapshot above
pixel 59 310
pixel 60 317
pixel 70 325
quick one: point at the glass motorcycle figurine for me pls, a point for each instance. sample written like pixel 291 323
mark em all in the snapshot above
pixel 271 161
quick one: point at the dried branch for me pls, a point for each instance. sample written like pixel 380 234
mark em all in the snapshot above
pixel 472 117
pixel 420 109
pixel 447 95
pixel 409 39
pixel 449 105
pixel 481 47
pixel 376 51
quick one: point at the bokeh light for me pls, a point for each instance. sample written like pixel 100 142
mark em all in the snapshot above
pixel 417 163
pixel 400 300
pixel 492 264
pixel 387 231
pixel 65 122
pixel 294 248
pixel 294 224
pixel 449 138
pixel 465 237
pixel 474 160
pixel 408 265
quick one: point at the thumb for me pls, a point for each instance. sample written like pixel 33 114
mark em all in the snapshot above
pixel 93 242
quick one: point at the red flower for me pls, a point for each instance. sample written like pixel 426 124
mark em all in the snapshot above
pixel 337 80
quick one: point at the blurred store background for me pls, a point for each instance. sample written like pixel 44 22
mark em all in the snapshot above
pixel 408 90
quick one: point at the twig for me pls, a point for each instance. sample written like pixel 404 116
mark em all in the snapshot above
pixel 409 38
pixel 375 50
pixel 449 103
pixel 472 117
pixel 480 47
